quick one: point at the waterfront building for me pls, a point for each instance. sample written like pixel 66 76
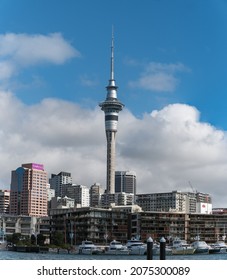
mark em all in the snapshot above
pixel 111 107
pixel 98 225
pixel 118 222
pixel 25 225
pixel 175 201
pixel 125 181
pixel 209 228
pixel 28 190
pixel 125 222
pixel 57 180
pixel 4 201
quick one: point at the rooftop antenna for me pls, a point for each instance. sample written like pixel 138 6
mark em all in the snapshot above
pixel 112 56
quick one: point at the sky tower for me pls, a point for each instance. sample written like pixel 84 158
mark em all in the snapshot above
pixel 111 107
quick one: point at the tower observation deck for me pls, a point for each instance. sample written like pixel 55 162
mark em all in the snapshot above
pixel 111 107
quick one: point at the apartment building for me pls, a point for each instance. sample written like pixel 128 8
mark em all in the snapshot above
pixel 122 223
pixel 25 225
pixel 176 201
pixel 209 228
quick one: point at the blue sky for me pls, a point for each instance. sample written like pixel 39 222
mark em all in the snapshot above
pixel 191 33
pixel 170 66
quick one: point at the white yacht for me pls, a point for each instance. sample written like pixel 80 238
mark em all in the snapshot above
pixel 220 244
pixel 116 248
pixel 156 249
pixel 181 247
pixel 136 247
pixel 200 247
pixel 89 248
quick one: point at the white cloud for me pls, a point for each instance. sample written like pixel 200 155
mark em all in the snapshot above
pixel 167 148
pixel 22 50
pixel 159 77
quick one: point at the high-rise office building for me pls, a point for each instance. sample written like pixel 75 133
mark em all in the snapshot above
pixel 125 181
pixel 57 180
pixel 111 107
pixel 28 190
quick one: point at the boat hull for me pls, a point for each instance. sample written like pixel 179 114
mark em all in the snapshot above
pixel 92 251
pixel 201 250
pixel 117 252
pixel 214 250
pixel 183 251
pixel 138 251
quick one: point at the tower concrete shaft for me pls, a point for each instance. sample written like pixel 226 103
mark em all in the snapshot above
pixel 111 107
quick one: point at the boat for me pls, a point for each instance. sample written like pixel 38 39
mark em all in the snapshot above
pixel 116 248
pixel 214 249
pixel 222 245
pixel 181 247
pixel 201 247
pixel 156 249
pixel 89 248
pixel 136 247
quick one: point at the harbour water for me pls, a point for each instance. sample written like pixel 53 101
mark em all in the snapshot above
pixel 10 255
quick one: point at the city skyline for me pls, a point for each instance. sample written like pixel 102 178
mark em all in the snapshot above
pixel 170 68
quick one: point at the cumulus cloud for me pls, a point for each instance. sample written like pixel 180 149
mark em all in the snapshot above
pixel 159 77
pixel 166 148
pixel 172 147
pixel 22 50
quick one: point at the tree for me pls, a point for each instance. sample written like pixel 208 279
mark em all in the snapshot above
pixel 33 239
pixel 18 239
pixel 40 239
pixel 57 238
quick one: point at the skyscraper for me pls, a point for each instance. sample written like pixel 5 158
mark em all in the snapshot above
pixel 57 180
pixel 111 107
pixel 125 181
pixel 28 190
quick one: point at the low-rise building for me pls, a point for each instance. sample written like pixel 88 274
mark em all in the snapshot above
pixel 25 225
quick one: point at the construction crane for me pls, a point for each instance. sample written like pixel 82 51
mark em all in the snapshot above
pixel 193 190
